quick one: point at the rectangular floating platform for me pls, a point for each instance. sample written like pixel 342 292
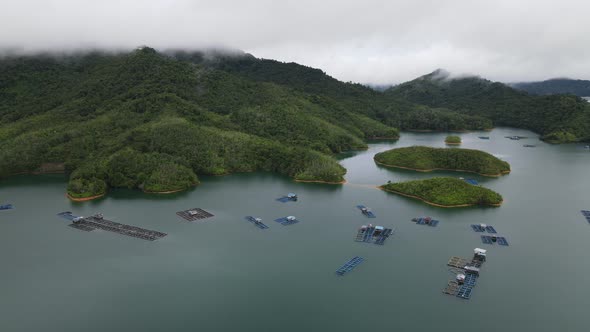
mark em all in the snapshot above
pixel 472 181
pixel 586 214
pixel 369 235
pixel 291 197
pixel 424 221
pixel 194 214
pixel 6 207
pixel 368 213
pixel 452 288
pixel 499 240
pixel 256 222
pixel 97 222
pixel 478 228
pixel 481 229
pixel 464 292
pixel 457 262
pixel 483 137
pixel 491 229
pixel 349 266
pixel 285 222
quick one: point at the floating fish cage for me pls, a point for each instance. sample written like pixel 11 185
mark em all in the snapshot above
pixel 98 222
pixel 285 221
pixel 373 234
pixel 366 211
pixel 257 222
pixel 428 221
pixel 194 214
pixel 290 197
pixel 483 228
pixel 349 266
pixel 6 207
pixel 467 276
pixel 487 239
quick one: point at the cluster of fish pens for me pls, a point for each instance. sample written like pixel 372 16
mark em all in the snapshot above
pixel 466 274
pixel 489 239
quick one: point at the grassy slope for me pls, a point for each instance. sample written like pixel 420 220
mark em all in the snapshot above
pixel 446 191
pixel 427 158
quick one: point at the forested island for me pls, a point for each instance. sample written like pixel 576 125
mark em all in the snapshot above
pixel 453 140
pixel 426 159
pixel 155 120
pixel 445 192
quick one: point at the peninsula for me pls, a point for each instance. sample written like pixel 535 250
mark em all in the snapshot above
pixel 427 159
pixel 445 192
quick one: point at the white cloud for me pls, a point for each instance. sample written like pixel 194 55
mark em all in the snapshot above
pixel 361 41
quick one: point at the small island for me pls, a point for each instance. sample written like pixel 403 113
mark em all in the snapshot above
pixel 427 159
pixel 445 192
pixel 453 140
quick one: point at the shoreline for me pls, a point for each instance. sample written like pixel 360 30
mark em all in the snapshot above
pixel 382 137
pixel 84 199
pixel 448 143
pixel 436 204
pixel 320 181
pixel 447 131
pixel 443 169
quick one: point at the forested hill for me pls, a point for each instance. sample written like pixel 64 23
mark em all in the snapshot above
pixel 558 118
pixel 154 121
pixel 579 88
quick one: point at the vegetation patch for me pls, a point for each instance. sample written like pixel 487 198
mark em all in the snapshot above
pixel 453 140
pixel 445 192
pixel 426 159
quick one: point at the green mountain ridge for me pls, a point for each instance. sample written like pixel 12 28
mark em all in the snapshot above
pixel 155 120
pixel 580 88
pixel 558 118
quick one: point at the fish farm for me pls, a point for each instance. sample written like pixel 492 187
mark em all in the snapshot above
pixel 349 266
pixel 256 221
pixel 291 197
pixel 373 234
pixel 529 145
pixel 366 211
pixel 97 221
pixel 494 239
pixel 483 228
pixel 285 221
pixel 428 221
pixel 472 181
pixel 586 215
pixel 194 214
pixel 466 274
pixel 6 207
pixel 483 137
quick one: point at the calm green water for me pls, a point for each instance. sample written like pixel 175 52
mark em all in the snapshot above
pixel 226 275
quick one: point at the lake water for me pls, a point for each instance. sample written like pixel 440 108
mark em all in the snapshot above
pixel 224 274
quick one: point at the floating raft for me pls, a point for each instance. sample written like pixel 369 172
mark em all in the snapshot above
pixel 257 222
pixel 452 288
pixel 469 273
pixel 365 210
pixel 529 146
pixel 349 266
pixel 483 137
pixel 457 262
pixel 194 214
pixel 291 197
pixel 586 214
pixel 481 228
pixel 426 221
pixel 97 222
pixel 490 240
pixel 373 234
pixel 6 207
pixel 285 221
pixel 464 292
pixel 472 181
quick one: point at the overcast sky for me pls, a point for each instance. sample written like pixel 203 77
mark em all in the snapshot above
pixel 362 41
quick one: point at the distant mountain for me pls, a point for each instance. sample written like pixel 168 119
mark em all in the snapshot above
pixel 558 118
pixel 579 88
